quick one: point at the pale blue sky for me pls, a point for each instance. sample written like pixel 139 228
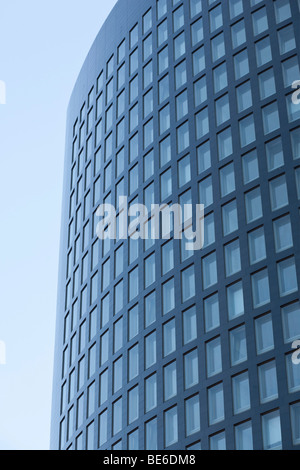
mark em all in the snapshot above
pixel 42 48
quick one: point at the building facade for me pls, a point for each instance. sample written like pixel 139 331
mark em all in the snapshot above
pixel 158 347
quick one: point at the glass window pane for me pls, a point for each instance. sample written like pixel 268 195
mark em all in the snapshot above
pixel 238 345
pixel 216 404
pixel 241 393
pixel 271 428
pixel 268 382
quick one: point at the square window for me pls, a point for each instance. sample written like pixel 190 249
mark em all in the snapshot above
pixel 238 34
pixel 229 218
pixel 250 167
pixel 227 180
pixel 225 146
pixel 218 441
pixel 241 64
pixel 204 157
pixel 260 21
pixel 218 47
pixel 220 77
pixel 282 10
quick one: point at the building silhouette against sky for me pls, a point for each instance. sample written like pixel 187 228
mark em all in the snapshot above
pixel 158 347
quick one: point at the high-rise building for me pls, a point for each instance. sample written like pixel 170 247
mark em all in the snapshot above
pixel 158 347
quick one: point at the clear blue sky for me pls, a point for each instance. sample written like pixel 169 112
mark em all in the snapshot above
pixel 42 47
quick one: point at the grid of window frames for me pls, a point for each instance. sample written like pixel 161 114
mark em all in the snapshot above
pixel 193 105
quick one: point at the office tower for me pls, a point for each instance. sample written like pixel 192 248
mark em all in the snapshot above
pixel 159 347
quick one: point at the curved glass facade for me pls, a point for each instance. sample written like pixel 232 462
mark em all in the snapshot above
pixel 158 347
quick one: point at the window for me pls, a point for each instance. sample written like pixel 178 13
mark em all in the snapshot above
pixel 241 393
pixel 117 416
pixel 117 375
pixel 268 387
pixel 216 18
pixel 188 283
pixel 263 51
pixel 283 233
pixel 133 405
pixel 181 105
pixel 253 205
pixel 227 180
pixel 163 89
pixel 291 322
pixel 183 137
pixel 179 46
pixel 218 441
pixel 257 245
pixel 225 147
pixel 180 75
pixel 133 284
pixel 286 39
pixel 230 218
pixel 162 33
pixel 271 428
pixel 206 191
pixel 171 427
pixel 295 140
pixel 212 313
pixel 290 70
pixel 218 47
pixel 209 270
pixel 238 34
pixel 241 64
pixel 134 36
pixel 189 325
pixel 192 415
pixel 278 193
pixel 293 374
pixel 178 19
pixel 150 393
pixel 150 350
pixel 244 436
pixel 184 171
pixel 274 152
pixel 169 337
pixel 287 277
pixel 260 21
pixel 133 362
pixel 247 130
pixel 260 288
pixel 295 419
pixel 270 118
pixel 168 296
pixel 191 369
pixel 198 61
pixel 297 175
pixel 161 6
pixel 148 76
pixel 151 434
pixel 204 157
pixel 213 357
pixel 244 96
pixel 170 381
pixel 147 21
pixel 232 258
pixel 238 345
pixel 195 7
pixel 267 86
pixel 164 119
pixel 220 77
pixel 166 185
pixel 235 8
pixel 264 334
pixel 222 110
pixel 216 404
pixel 282 10
pixel 197 32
